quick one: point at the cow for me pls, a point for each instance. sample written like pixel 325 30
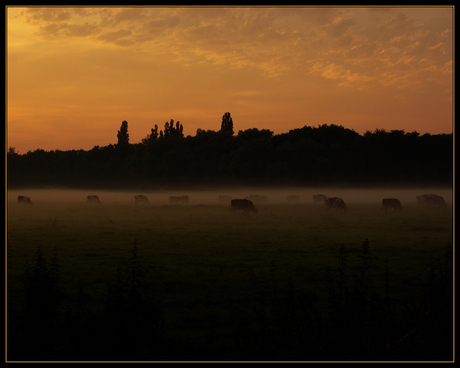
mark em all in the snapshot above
pixel 178 199
pixel 293 198
pixel 243 204
pixel 431 199
pixel 223 199
pixel 391 203
pixel 257 198
pixel 93 199
pixel 141 199
pixel 422 199
pixel 319 198
pixel 24 199
pixel 334 202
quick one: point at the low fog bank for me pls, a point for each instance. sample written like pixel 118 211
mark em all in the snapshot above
pixel 211 196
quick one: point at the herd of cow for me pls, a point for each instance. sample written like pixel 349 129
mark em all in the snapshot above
pixel 338 203
pixel 247 204
pixel 334 202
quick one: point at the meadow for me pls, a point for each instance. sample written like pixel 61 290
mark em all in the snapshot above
pixel 296 282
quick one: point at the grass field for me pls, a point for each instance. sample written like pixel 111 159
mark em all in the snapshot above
pixel 219 285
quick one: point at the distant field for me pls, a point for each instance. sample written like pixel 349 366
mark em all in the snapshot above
pixel 202 256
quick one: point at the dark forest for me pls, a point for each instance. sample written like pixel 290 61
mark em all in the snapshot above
pixel 308 156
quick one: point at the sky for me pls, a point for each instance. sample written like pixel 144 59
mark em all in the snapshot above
pixel 73 74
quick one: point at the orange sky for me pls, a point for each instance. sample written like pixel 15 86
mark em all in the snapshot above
pixel 74 74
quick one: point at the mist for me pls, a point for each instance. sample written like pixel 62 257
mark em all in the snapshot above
pixel 210 196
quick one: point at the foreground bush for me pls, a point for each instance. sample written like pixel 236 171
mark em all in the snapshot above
pixel 280 321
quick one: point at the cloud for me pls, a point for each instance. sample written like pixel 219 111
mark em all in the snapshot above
pixel 37 15
pixel 347 77
pixel 117 37
pixel 356 45
pixel 339 26
pixel 55 30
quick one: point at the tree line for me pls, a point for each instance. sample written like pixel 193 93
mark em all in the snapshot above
pixel 308 156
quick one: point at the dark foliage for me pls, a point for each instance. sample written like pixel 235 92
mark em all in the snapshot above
pixel 129 328
pixel 323 155
pixel 42 299
pixel 283 321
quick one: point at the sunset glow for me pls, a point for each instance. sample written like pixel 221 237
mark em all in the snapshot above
pixel 74 74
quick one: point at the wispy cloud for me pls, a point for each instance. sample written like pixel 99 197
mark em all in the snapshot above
pixel 274 40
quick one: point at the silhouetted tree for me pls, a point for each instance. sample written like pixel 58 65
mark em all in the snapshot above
pixel 227 123
pixel 133 315
pixel 123 135
pixel 152 137
pixel 173 131
pixel 254 133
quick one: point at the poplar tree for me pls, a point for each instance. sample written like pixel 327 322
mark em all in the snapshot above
pixel 227 123
pixel 123 135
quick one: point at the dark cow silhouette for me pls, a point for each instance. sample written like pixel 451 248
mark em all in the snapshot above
pixel 141 199
pixel 391 203
pixel 93 199
pixel 319 198
pixel 293 198
pixel 178 199
pixel 334 202
pixel 24 199
pixel 243 204
pixel 431 199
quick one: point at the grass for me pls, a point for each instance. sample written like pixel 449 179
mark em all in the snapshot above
pixel 230 286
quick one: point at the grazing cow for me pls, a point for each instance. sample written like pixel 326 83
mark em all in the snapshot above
pixel 243 204
pixel 223 199
pixel 24 199
pixel 293 198
pixel 93 199
pixel 336 203
pixel 178 200
pixel 257 198
pixel 431 199
pixel 391 203
pixel 319 198
pixel 421 199
pixel 140 199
